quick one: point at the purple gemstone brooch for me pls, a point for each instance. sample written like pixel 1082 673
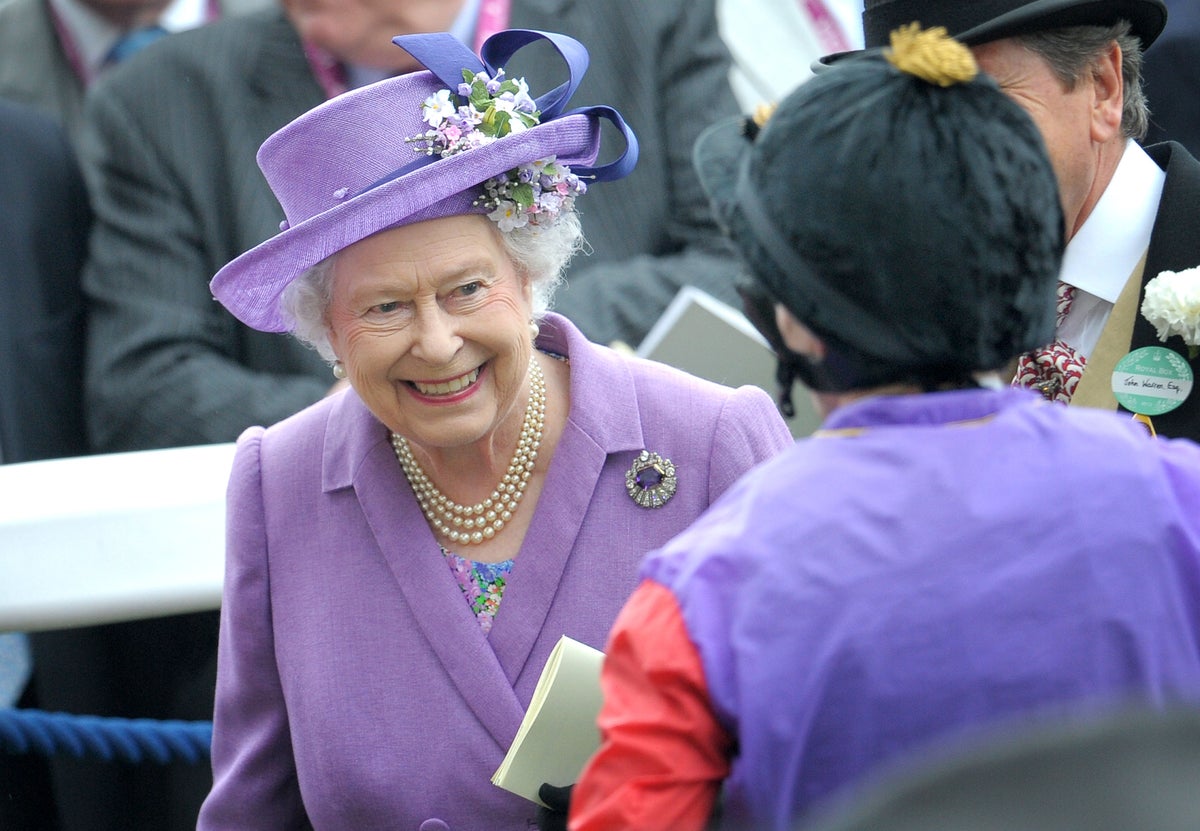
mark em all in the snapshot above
pixel 650 480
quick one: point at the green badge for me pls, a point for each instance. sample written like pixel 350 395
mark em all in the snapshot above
pixel 1152 380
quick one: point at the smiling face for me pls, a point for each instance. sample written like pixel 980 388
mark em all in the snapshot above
pixel 431 322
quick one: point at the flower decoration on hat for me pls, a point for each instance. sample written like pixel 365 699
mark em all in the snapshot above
pixel 1172 305
pixel 484 109
pixel 931 55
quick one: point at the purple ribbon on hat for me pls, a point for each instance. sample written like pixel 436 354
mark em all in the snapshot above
pixel 446 57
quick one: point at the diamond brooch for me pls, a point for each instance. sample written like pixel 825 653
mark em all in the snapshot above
pixel 650 480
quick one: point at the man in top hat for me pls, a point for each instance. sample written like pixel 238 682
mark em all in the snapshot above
pixel 1074 66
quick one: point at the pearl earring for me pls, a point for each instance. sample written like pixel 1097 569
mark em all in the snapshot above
pixel 534 330
pixel 339 371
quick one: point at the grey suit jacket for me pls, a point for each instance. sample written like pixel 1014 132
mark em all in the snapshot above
pixel 1171 75
pixel 170 159
pixel 34 69
pixel 169 156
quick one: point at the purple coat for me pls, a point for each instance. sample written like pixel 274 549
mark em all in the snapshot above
pixel 355 689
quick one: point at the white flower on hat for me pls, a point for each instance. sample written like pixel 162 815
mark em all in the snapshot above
pixel 1172 305
pixel 509 215
pixel 437 108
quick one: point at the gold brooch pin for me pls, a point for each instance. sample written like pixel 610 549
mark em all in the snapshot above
pixel 650 480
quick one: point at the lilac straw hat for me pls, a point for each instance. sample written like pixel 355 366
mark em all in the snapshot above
pixel 349 168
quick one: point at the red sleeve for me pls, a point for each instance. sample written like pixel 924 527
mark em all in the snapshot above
pixel 663 754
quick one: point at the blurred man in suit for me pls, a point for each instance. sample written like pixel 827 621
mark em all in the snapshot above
pixel 773 43
pixel 52 50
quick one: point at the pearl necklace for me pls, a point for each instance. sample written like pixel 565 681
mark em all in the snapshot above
pixel 472 524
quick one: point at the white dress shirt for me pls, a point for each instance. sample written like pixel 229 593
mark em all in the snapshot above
pixel 1106 249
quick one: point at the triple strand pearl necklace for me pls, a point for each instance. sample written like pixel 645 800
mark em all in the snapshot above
pixel 472 524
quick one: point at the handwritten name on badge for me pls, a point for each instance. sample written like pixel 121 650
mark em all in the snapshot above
pixel 1142 382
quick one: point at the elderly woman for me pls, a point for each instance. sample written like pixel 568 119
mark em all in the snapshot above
pixel 403 556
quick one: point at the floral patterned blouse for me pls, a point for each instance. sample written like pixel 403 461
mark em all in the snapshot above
pixel 482 584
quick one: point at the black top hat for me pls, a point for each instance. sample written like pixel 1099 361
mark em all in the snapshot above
pixel 979 21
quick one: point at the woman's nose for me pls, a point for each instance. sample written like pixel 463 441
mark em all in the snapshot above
pixel 437 340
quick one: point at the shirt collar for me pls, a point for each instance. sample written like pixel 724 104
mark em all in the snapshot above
pixel 1102 255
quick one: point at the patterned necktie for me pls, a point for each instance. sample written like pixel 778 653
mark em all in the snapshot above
pixel 1053 370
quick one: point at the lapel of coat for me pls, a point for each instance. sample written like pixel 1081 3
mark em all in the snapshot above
pixel 358 455
pixel 603 419
pixel 280 74
pixel 1174 246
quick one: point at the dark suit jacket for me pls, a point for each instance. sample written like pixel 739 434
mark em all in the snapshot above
pixel 34 69
pixel 1171 73
pixel 43 240
pixel 1174 246
pixel 170 156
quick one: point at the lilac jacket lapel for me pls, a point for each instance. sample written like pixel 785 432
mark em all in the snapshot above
pixel 603 419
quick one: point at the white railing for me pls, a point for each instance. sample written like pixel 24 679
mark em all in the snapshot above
pixel 105 538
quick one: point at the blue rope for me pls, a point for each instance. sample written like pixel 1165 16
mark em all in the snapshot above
pixel 106 738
